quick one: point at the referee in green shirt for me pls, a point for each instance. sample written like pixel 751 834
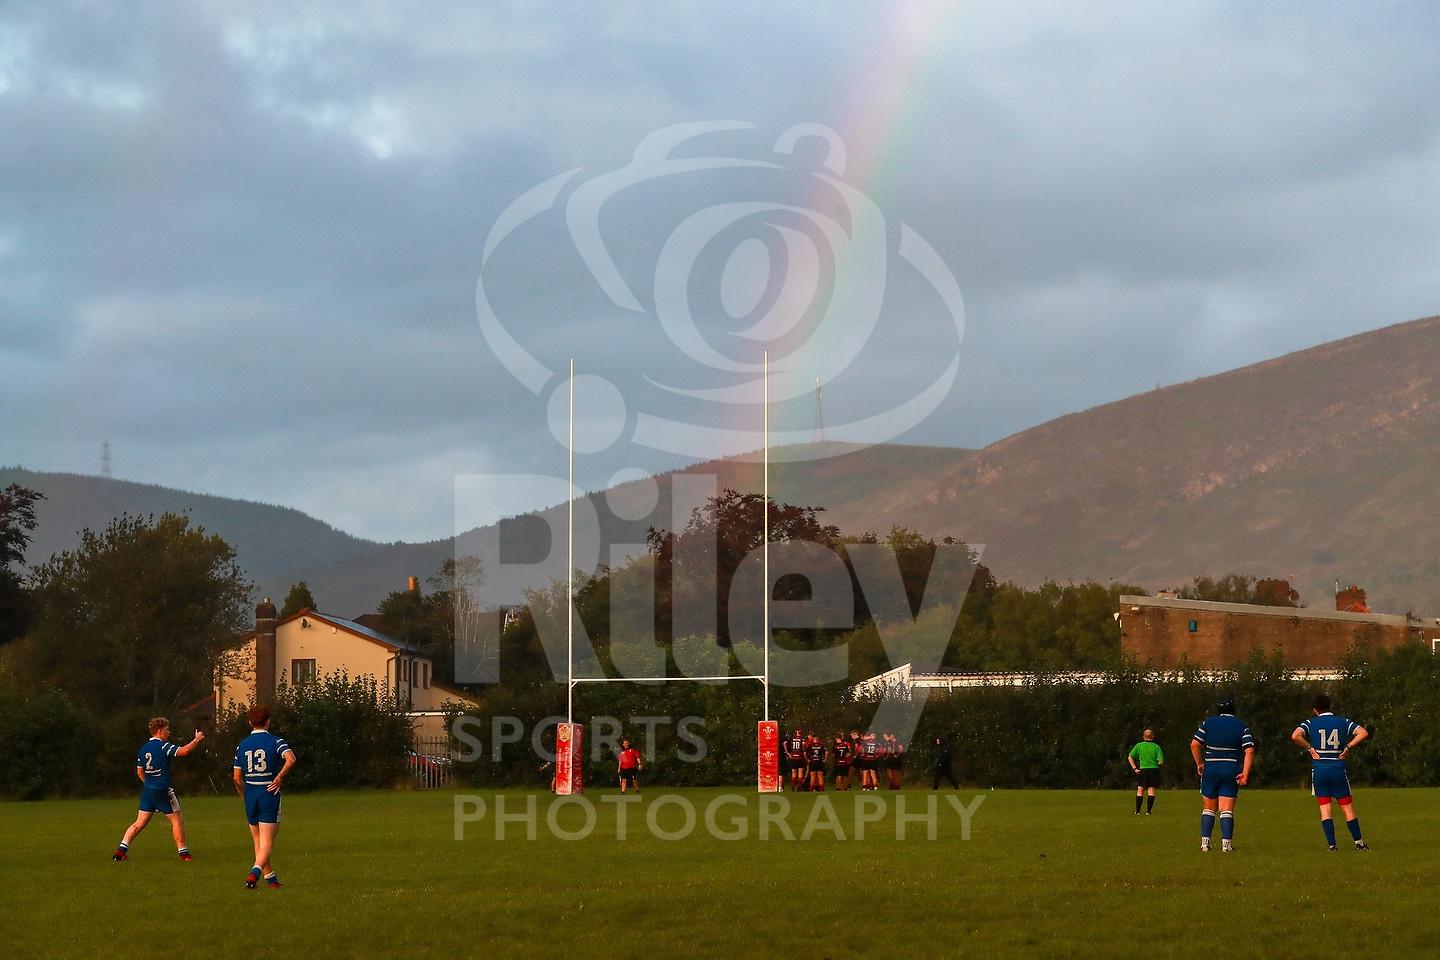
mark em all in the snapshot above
pixel 1145 760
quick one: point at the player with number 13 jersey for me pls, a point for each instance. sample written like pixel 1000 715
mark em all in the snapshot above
pixel 262 761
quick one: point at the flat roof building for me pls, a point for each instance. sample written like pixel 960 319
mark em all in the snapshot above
pixel 1160 632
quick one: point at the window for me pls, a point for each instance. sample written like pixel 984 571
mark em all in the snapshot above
pixel 1193 626
pixel 404 670
pixel 426 666
pixel 302 671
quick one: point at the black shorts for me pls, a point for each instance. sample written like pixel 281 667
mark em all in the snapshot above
pixel 842 769
pixel 797 765
pixel 1148 777
pixel 817 766
pixel 628 776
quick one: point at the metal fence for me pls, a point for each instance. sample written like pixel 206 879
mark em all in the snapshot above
pixel 432 762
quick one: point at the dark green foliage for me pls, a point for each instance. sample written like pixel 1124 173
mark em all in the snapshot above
pixel 1052 732
pixel 49 746
pixel 430 621
pixel 1051 627
pixel 344 732
pixel 17 523
pixel 299 598
pixel 136 615
pixel 1396 696
pixel 343 735
pixel 728 529
pixel 1242 588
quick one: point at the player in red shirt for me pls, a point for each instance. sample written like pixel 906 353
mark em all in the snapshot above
pixel 630 765
pixel 795 756
pixel 869 762
pixel 843 755
pixel 815 763
pixel 894 760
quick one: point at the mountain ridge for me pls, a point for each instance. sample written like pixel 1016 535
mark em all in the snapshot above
pixel 1315 465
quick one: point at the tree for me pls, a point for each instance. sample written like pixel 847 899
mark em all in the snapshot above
pixel 17 520
pixel 1241 588
pixel 730 525
pixel 432 622
pixel 137 615
pixel 455 611
pixel 404 617
pixel 299 598
pixel 1275 592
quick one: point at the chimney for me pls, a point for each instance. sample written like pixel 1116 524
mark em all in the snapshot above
pixel 1351 600
pixel 265 617
pixel 414 585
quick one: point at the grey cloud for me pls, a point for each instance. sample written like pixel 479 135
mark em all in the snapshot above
pixel 243 247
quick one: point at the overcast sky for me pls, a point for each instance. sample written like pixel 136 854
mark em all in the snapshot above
pixel 244 247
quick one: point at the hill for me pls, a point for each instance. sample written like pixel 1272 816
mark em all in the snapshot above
pixel 1317 466
pixel 271 541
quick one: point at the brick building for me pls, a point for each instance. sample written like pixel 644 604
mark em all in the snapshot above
pixel 1159 631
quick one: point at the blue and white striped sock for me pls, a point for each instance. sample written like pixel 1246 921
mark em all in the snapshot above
pixel 1227 825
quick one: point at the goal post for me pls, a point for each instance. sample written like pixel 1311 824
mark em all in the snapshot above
pixel 570 736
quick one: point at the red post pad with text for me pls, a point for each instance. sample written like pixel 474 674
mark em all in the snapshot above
pixel 569 759
pixel 767 747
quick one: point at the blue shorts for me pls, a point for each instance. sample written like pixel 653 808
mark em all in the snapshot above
pixel 1218 780
pixel 159 800
pixel 261 806
pixel 1329 781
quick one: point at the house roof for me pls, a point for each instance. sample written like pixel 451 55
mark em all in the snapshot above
pixel 1300 613
pixel 358 629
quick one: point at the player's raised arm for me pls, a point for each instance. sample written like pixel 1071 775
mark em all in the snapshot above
pixel 189 748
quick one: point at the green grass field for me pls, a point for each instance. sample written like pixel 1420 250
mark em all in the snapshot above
pixel 1044 873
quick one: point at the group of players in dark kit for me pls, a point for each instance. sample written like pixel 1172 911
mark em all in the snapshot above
pixel 806 756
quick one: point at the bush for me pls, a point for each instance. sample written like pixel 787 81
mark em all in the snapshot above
pixel 49 748
pixel 1052 732
pixel 345 734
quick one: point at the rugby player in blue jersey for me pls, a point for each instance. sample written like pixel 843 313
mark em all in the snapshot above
pixel 262 762
pixel 152 769
pixel 1224 750
pixel 1328 740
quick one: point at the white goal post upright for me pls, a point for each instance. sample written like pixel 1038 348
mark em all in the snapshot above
pixel 767 733
pixel 570 554
pixel 765 526
pixel 569 737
